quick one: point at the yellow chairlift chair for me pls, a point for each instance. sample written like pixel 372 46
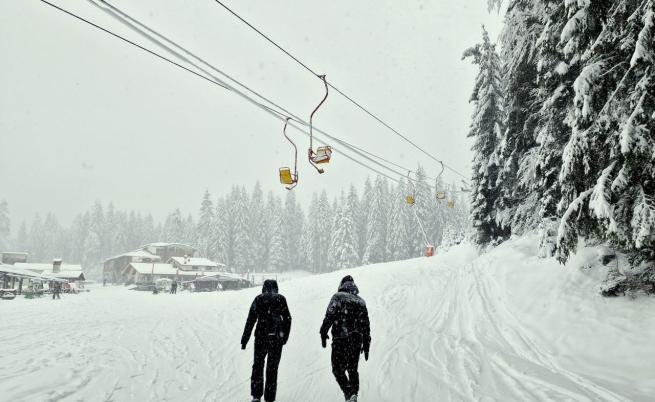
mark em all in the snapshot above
pixel 289 179
pixel 410 198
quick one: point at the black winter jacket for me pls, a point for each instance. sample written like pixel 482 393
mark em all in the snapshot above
pixel 271 313
pixel 347 314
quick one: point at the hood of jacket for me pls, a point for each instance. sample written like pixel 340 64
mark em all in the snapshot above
pixel 347 285
pixel 270 286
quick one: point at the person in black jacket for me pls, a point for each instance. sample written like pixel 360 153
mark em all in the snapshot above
pixel 271 313
pixel 351 335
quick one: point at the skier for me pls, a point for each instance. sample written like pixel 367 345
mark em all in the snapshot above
pixel 351 335
pixel 270 311
pixel 174 287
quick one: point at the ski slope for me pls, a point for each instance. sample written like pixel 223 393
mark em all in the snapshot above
pixel 457 327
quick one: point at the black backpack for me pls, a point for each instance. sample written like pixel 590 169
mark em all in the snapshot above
pixel 276 326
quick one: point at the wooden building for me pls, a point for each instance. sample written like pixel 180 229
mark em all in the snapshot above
pixel 115 268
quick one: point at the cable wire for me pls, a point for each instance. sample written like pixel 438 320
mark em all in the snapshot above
pixel 129 41
pixel 342 93
pixel 148 33
pixel 213 80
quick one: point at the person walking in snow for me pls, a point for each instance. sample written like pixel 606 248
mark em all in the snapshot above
pixel 271 313
pixel 174 287
pixel 351 335
pixel 56 290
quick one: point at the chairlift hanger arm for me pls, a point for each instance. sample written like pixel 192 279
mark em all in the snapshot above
pixel 310 151
pixel 295 156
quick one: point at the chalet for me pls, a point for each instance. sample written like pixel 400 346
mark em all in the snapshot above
pixel 137 272
pixel 68 272
pixel 16 278
pixel 166 251
pixel 115 268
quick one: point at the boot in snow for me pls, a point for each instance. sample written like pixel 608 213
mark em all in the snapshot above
pixel 256 400
pixel 352 398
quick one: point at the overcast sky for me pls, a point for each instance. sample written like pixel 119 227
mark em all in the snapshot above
pixel 85 117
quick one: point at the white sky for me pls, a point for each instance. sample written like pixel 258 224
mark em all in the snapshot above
pixel 85 117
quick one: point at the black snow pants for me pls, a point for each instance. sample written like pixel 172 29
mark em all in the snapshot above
pixel 345 358
pixel 271 347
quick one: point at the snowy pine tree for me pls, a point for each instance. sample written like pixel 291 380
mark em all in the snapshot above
pixel 400 225
pixel 378 214
pixel 257 222
pixel 21 242
pixel 362 216
pixel 292 225
pixel 486 130
pixel 608 173
pixel 243 245
pixel 205 223
pixel 343 253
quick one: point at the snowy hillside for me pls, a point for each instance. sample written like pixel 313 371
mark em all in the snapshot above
pixel 502 327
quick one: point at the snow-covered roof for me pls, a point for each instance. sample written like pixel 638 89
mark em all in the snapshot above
pixel 136 253
pixel 9 269
pixel 46 267
pixel 196 261
pixel 164 244
pixel 150 268
pixel 68 274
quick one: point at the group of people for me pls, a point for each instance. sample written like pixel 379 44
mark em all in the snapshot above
pixel 346 318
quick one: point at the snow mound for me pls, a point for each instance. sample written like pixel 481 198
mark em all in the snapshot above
pixel 504 326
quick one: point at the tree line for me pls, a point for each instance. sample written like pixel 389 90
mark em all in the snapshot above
pixel 563 127
pixel 251 231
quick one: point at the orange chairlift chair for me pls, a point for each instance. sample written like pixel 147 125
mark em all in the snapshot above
pixel 322 154
pixel 289 179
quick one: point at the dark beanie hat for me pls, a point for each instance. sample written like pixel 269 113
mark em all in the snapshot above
pixel 347 278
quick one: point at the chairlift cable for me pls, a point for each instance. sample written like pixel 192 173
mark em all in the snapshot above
pixel 342 93
pixel 131 43
pixel 141 27
pixel 222 84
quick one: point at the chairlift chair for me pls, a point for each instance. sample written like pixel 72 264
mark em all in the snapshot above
pixel 411 198
pixel 324 153
pixel 289 179
pixel 439 194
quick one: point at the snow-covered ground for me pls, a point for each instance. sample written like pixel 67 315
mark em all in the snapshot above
pixel 502 327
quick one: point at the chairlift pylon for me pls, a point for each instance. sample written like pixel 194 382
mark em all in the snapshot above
pixel 289 179
pixel 324 153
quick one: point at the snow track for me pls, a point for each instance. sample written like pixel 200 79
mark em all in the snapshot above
pixel 447 328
